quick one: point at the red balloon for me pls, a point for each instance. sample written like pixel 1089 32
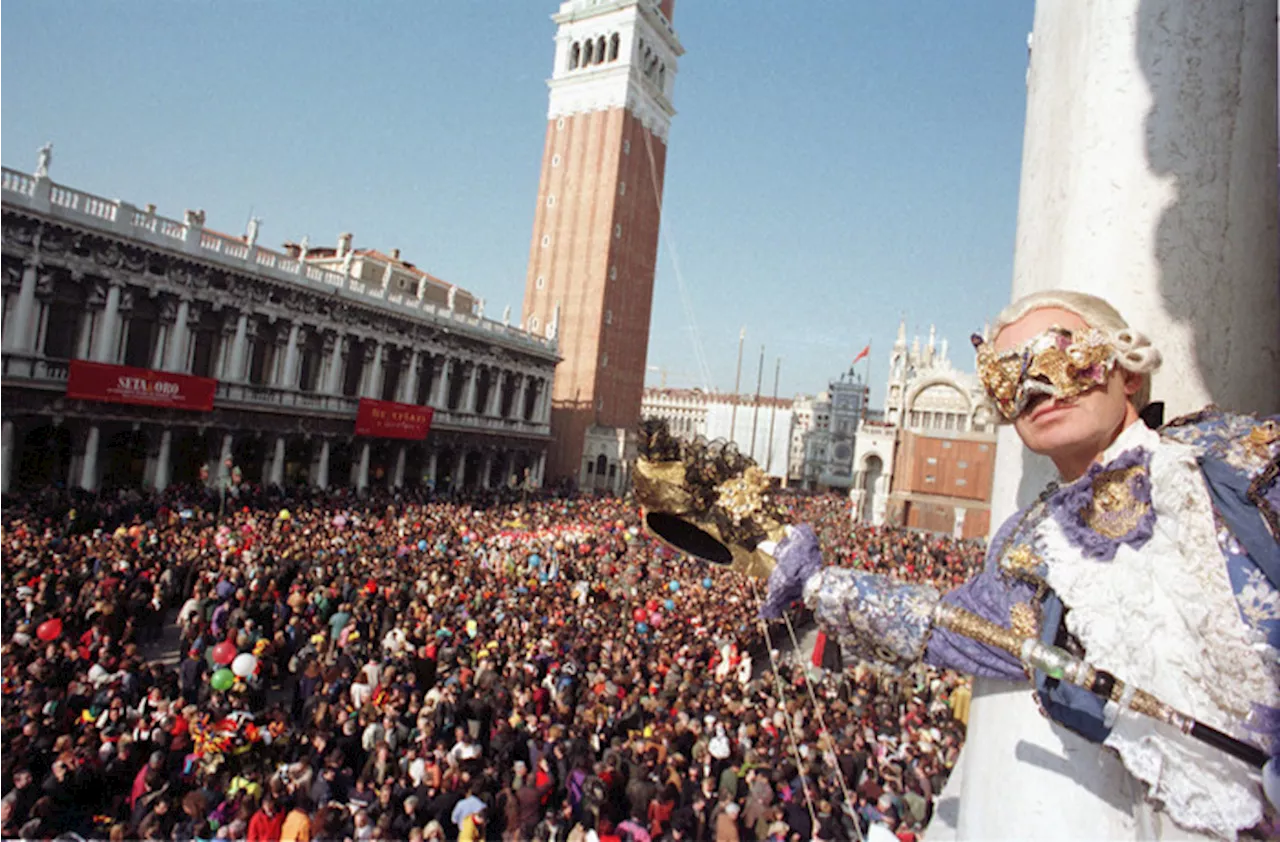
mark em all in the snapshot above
pixel 49 630
pixel 652 605
pixel 639 615
pixel 224 653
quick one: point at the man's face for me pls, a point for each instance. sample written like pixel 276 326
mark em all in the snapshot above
pixel 1058 427
pixel 22 779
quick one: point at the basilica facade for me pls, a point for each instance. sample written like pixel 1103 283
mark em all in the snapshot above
pixel 928 464
pixel 141 350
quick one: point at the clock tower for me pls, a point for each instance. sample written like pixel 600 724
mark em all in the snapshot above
pixel 595 229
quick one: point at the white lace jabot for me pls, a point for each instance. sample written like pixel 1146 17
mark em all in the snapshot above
pixel 1162 616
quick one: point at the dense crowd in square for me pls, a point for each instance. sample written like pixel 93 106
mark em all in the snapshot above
pixel 401 666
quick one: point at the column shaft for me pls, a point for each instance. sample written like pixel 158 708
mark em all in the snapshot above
pixel 89 470
pixel 289 378
pixel 322 465
pixel 6 456
pixel 18 333
pixel 176 359
pixel 397 476
pixel 362 467
pixel 163 469
pixel 104 346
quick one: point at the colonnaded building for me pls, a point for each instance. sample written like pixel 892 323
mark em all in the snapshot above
pixel 140 350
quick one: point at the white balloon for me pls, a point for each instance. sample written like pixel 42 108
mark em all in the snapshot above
pixel 244 665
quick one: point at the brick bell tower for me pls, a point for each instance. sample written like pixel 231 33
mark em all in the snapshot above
pixel 595 229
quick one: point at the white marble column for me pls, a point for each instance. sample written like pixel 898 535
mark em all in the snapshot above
pixel 104 346
pixel 469 393
pixel 495 394
pixel 275 475
pixel 371 379
pixel 322 465
pixel 89 468
pixel 18 333
pixel 397 474
pixel 542 412
pixel 84 337
pixel 333 384
pixel 459 470
pixel 522 393
pixel 289 377
pixel 164 457
pixel 486 468
pixel 222 471
pixel 440 382
pixel 1148 178
pixel 433 460
pixel 7 445
pixel 176 358
pixel 236 365
pixel 409 383
pixel 362 467
pixel 539 467
pixel 163 333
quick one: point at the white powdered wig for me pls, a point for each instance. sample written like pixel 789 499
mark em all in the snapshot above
pixel 1134 351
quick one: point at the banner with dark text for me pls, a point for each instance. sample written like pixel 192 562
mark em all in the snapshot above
pixel 89 381
pixel 390 420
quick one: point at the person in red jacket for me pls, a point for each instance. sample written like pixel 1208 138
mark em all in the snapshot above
pixel 267 823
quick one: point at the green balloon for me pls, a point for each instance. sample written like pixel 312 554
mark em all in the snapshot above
pixel 222 679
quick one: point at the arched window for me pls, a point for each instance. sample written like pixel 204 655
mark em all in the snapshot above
pixel 602 465
pixel 586 52
pixel 614 43
pixel 600 48
pixel 575 56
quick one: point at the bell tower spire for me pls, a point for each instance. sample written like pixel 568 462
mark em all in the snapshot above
pixel 595 231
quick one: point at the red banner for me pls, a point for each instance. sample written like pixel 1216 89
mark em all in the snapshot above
pixel 89 381
pixel 390 420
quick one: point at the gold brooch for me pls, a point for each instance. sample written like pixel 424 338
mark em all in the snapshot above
pixel 1262 436
pixel 1115 510
pixel 1021 559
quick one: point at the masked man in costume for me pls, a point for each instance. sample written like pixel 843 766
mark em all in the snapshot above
pixel 1154 556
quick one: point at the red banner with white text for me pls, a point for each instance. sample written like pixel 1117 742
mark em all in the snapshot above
pixel 89 381
pixel 390 420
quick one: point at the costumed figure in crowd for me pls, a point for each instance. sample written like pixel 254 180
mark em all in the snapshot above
pixel 1140 593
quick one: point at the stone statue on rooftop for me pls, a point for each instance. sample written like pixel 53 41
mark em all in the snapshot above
pixel 43 160
pixel 251 231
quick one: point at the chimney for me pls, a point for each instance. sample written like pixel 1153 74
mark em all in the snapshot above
pixel 344 244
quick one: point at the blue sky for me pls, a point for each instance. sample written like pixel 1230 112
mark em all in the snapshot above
pixel 833 166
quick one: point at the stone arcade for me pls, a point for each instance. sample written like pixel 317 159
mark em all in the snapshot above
pixel 293 343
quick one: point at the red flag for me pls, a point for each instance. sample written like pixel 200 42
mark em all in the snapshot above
pixel 862 353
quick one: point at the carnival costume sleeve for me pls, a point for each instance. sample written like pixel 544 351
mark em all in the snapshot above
pixel 877 619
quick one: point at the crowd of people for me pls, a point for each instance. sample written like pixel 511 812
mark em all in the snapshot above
pixel 313 665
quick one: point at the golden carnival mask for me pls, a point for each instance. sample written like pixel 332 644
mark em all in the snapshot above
pixel 1059 362
pixel 706 499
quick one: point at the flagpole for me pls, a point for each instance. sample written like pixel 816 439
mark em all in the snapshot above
pixel 773 415
pixel 737 380
pixel 755 412
pixel 866 395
